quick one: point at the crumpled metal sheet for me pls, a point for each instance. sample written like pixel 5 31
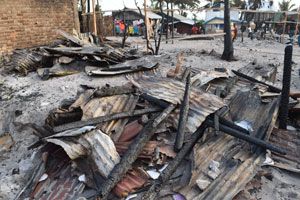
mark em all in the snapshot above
pixel 25 60
pixel 231 176
pixel 237 164
pixel 97 107
pixel 133 180
pixel 264 72
pixel 61 182
pixel 289 140
pixel 203 77
pixel 154 151
pixel 142 64
pixel 95 144
pixel 201 104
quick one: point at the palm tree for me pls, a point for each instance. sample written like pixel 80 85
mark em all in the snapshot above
pixel 286 5
pixel 228 46
pixel 238 3
pixel 254 4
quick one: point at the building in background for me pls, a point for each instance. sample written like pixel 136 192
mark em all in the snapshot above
pixel 30 23
pixel 214 18
pixel 182 25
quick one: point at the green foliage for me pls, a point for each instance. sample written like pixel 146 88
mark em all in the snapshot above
pixel 199 23
pixel 286 5
pixel 238 3
pixel 254 4
pixel 180 4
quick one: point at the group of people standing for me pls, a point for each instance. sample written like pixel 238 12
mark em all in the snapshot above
pixel 132 29
pixel 260 31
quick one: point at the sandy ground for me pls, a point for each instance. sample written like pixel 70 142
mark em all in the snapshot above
pixel 29 99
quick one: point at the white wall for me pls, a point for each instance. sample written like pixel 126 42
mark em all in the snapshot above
pixel 234 14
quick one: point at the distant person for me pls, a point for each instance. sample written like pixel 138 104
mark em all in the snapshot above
pixel 235 32
pixel 136 30
pixel 194 30
pixel 264 31
pixel 122 27
pixel 117 26
pixel 250 32
pixel 299 39
pixel 130 30
pixel 203 29
pixel 292 30
pixel 243 29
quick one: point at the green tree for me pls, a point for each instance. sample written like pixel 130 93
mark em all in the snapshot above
pixel 254 4
pixel 238 3
pixel 286 5
pixel 182 5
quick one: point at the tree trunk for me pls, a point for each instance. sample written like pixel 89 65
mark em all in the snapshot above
pixel 161 29
pixel 228 47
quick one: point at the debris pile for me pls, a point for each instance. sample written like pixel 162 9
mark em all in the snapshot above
pixel 76 54
pixel 192 135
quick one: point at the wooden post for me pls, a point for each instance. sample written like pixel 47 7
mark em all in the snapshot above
pixel 167 29
pixel 172 22
pixel 88 15
pixel 76 16
pixel 284 27
pixel 146 24
pixel 94 16
pixel 297 24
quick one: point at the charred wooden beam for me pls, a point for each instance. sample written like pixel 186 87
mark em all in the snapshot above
pixel 271 87
pixel 184 111
pixel 153 191
pixel 111 91
pixel 106 118
pixel 248 138
pixel 155 101
pixel 286 83
pixel 133 151
pixel 230 124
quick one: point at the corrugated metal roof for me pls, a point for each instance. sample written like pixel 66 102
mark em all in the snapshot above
pixel 150 14
pixel 219 20
pixel 289 140
pixel 97 107
pixel 201 104
pixel 94 144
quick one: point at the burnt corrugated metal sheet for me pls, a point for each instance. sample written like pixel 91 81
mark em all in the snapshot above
pixel 223 164
pixel 97 107
pixel 61 183
pixel 203 77
pixel 235 168
pixel 201 104
pixel 94 144
pixel 289 140
pixel 133 180
pixel 261 72
pixel 142 64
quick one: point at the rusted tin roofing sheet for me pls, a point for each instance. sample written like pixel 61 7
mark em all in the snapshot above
pixel 94 144
pixel 289 140
pixel 133 180
pixel 222 168
pixel 61 181
pixel 223 164
pixel 201 104
pixel 262 72
pixel 97 107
